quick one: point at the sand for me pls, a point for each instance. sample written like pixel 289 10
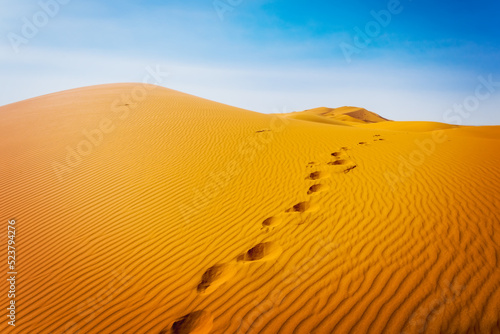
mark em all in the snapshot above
pixel 145 210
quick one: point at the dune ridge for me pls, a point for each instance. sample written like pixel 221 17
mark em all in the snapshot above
pixel 168 213
pixel 339 116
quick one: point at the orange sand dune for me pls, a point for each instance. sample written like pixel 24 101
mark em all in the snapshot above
pixel 140 209
pixel 345 114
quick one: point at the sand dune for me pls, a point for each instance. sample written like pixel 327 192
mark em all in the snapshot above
pixel 145 210
pixel 345 114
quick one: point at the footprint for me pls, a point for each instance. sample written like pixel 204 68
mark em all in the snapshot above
pixel 336 154
pixel 338 162
pixel 272 222
pixel 302 207
pixel 317 175
pixel 376 135
pixel 344 148
pixel 362 143
pixel 199 322
pixel 317 188
pixel 265 130
pixel 215 276
pixel 261 252
pixel 349 169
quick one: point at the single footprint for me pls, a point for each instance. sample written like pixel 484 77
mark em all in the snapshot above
pixel 317 188
pixel 338 162
pixel 344 148
pixel 272 222
pixel 197 322
pixel 349 169
pixel 302 207
pixel 362 143
pixel 215 276
pixel 376 135
pixel 317 175
pixel 336 154
pixel 261 252
pixel 265 130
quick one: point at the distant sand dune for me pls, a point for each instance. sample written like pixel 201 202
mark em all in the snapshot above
pixel 342 115
pixel 146 210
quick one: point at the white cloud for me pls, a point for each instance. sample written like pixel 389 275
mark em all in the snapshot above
pixel 226 62
pixel 396 92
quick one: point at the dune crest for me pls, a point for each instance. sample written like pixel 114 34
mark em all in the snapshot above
pixel 338 116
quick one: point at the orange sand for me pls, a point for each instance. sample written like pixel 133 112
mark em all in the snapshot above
pixel 146 210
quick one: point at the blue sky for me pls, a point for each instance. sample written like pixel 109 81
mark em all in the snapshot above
pixel 413 60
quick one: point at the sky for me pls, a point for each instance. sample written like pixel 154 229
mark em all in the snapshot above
pixel 403 59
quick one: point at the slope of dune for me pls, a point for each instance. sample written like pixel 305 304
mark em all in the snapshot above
pixel 347 114
pixel 412 126
pixel 145 210
pixel 310 117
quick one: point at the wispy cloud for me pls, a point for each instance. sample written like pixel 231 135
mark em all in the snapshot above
pixel 263 55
